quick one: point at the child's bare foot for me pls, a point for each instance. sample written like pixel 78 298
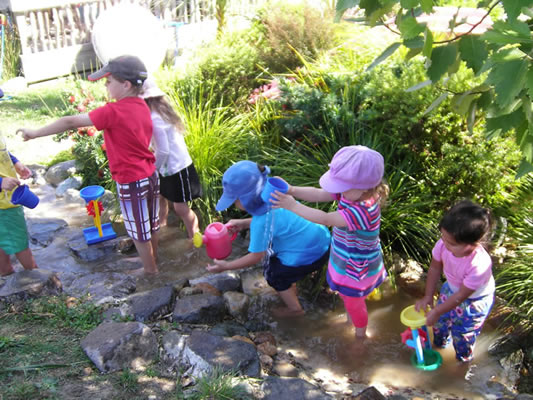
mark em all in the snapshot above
pixel 286 312
pixel 141 272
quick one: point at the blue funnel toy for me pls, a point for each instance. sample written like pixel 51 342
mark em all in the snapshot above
pixel 98 232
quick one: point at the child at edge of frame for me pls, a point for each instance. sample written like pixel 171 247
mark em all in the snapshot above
pixel 355 268
pixel 127 127
pixel 13 230
pixel 467 296
pixel 289 246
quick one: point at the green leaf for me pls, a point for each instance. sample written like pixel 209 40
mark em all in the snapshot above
pixel 461 102
pixel 383 56
pixel 408 3
pixel 471 117
pixel 415 43
pixel 512 7
pixel 526 144
pixel 524 168
pixel 511 32
pixel 342 6
pixel 508 78
pixel 529 82
pixel 413 52
pixel 442 58
pixel 473 51
pixel 427 6
pixel 436 103
pixel 419 86
pixel 505 123
pixel 428 43
pixel 409 27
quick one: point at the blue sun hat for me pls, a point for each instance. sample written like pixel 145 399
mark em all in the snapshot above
pixel 243 181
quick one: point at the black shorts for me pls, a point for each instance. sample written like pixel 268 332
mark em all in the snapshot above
pixel 281 277
pixel 181 187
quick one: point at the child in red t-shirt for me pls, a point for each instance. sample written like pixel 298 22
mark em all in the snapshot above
pixel 127 127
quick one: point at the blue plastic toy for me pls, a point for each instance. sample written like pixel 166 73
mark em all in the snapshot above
pixel 98 232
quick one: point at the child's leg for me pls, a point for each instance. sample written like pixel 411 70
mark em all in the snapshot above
pixel 188 217
pixel 146 254
pixel 468 319
pixel 25 257
pixel 356 309
pixel 163 211
pixel 441 330
pixel 6 268
pixel 290 298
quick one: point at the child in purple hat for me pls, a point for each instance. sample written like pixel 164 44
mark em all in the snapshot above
pixel 355 181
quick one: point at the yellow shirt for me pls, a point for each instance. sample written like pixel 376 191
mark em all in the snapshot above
pixel 7 169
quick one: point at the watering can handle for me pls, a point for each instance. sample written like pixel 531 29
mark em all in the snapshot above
pixel 233 235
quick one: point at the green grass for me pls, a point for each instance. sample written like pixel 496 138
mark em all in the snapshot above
pixel 219 385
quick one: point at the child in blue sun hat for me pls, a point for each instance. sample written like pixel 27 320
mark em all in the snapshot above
pixel 289 246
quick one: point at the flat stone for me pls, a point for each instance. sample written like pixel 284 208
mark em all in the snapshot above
pixel 275 388
pixel 113 346
pixel 207 351
pixel 199 309
pixel 30 283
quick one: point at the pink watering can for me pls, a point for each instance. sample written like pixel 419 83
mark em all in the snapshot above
pixel 217 240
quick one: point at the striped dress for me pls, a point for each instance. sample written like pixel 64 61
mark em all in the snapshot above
pixel 356 262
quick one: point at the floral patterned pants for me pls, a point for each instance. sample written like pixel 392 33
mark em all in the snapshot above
pixel 464 322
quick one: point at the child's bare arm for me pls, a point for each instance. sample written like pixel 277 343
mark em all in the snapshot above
pixel 308 193
pixel 280 200
pixel 23 171
pixel 245 261
pixel 433 277
pixel 453 301
pixel 61 125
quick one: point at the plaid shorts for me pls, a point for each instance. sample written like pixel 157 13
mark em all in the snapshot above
pixel 139 202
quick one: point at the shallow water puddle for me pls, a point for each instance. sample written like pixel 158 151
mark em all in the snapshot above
pixel 326 341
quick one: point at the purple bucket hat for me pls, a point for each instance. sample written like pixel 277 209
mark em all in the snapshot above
pixel 353 167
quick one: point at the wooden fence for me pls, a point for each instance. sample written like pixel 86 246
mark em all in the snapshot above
pixel 55 35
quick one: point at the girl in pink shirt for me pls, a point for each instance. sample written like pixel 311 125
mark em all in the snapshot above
pixel 467 296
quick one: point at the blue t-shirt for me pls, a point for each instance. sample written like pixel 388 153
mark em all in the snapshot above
pixel 295 240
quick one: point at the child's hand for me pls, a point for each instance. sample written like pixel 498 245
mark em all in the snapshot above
pixel 23 171
pixel 282 200
pixel 424 303
pixel 9 183
pixel 432 317
pixel 27 134
pixel 234 226
pixel 219 266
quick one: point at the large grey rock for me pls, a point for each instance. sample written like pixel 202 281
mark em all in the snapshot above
pixel 411 277
pixel 224 282
pixel 59 172
pixel 30 283
pixel 146 306
pixel 92 252
pixel 204 351
pixel 72 182
pixel 199 309
pixel 229 329
pixel 102 287
pixel 113 346
pixel 291 389
pixel 43 230
pixel 370 393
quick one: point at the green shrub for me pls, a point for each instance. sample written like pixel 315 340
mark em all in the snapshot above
pixel 227 69
pixel 11 66
pixel 289 32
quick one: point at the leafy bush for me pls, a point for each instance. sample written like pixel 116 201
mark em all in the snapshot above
pixel 11 63
pixel 289 32
pixel 226 69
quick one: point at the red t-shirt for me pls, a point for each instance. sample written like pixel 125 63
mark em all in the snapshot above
pixel 127 126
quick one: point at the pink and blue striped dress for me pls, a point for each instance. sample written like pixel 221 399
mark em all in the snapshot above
pixel 356 262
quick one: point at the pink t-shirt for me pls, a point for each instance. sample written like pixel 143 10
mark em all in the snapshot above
pixel 474 271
